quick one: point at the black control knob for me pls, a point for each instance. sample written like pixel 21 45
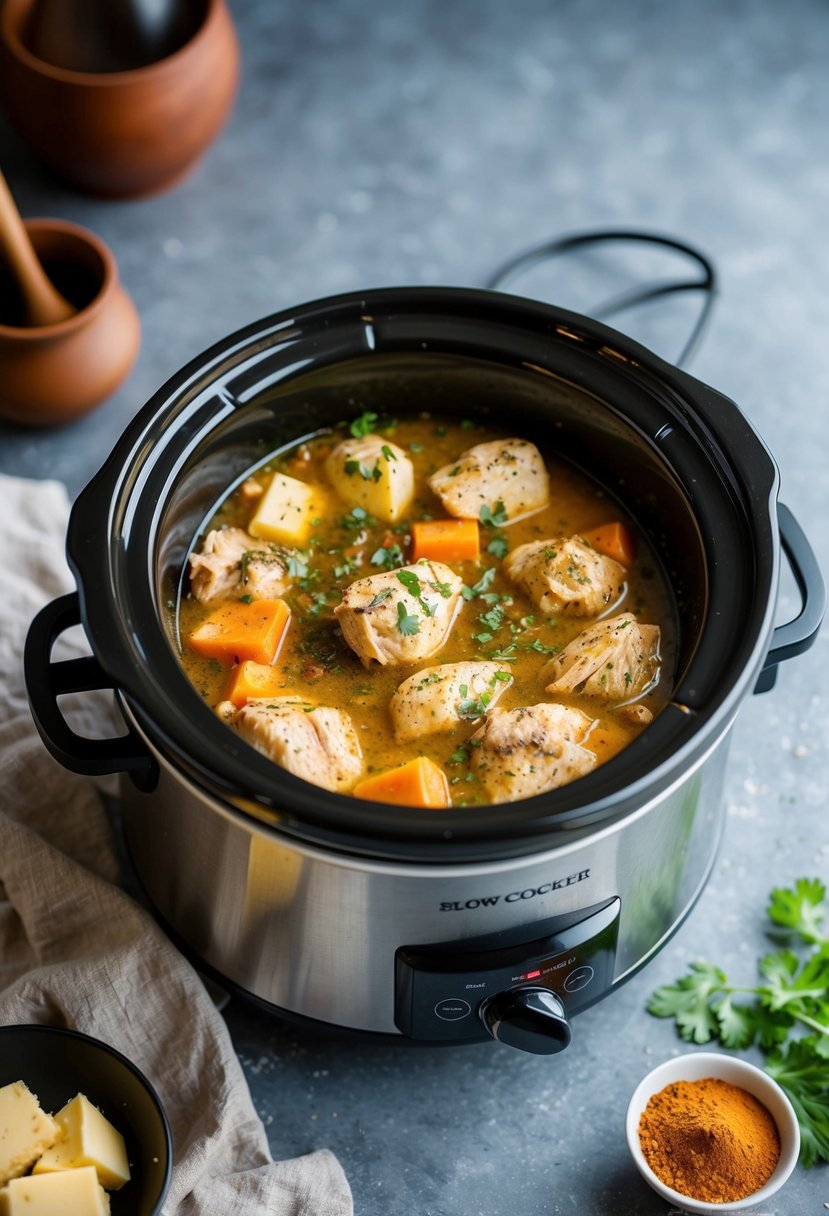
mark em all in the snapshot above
pixel 531 1019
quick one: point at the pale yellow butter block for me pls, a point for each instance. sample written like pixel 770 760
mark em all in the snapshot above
pixel 286 509
pixel 88 1138
pixel 69 1193
pixel 25 1130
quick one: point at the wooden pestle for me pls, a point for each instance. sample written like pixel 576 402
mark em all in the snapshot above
pixel 43 304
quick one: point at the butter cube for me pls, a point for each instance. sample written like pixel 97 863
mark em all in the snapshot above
pixel 373 474
pixel 286 509
pixel 71 1193
pixel 25 1130
pixel 87 1138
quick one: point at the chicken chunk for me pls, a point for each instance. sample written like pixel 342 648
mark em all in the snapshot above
pixel 617 658
pixel 374 474
pixel 402 616
pixel 436 699
pixel 526 751
pixel 563 575
pixel 232 561
pixel 311 741
pixel 507 476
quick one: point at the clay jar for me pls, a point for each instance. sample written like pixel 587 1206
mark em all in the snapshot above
pixel 128 133
pixel 50 374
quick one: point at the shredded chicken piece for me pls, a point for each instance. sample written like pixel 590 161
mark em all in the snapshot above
pixel 526 751
pixel 232 562
pixel 616 658
pixel 509 472
pixel 402 616
pixel 437 699
pixel 311 741
pixel 565 576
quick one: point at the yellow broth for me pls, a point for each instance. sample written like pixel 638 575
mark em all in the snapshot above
pixel 315 661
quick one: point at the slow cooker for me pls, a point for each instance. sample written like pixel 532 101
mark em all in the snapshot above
pixel 438 927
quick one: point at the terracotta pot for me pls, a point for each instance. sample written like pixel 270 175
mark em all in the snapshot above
pixel 121 134
pixel 51 374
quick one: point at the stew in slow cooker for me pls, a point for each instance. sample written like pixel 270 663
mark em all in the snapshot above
pixel 426 612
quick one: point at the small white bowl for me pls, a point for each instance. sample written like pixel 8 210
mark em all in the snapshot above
pixel 696 1066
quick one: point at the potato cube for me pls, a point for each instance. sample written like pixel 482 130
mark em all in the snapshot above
pixel 373 474
pixel 285 510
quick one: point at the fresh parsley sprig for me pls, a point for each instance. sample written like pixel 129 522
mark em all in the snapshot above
pixel 792 998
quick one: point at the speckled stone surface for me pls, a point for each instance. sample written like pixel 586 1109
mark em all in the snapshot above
pixel 424 143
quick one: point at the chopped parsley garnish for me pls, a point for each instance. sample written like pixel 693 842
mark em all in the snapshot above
pixel 506 654
pixel 459 756
pixel 355 466
pixel 474 707
pixel 412 584
pixel 364 425
pixel 494 618
pixel 319 602
pixel 433 677
pixel 387 452
pixel 480 587
pixel 443 589
pixel 348 566
pixel 408 623
pixel 388 556
pixel 416 447
pixel 498 547
pixel 537 645
pixel 296 566
pixel 493 519
pixel 357 519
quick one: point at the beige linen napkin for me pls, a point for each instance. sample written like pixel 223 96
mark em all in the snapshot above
pixel 76 951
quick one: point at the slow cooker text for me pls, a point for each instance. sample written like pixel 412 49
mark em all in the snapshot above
pixel 489 901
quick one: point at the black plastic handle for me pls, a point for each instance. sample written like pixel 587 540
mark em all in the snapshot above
pixel 798 634
pixel 46 681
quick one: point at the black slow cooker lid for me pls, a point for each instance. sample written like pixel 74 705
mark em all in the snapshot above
pixel 682 458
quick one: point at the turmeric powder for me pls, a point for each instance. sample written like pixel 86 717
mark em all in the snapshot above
pixel 709 1140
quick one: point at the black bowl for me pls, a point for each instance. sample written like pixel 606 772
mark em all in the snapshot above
pixel 56 1064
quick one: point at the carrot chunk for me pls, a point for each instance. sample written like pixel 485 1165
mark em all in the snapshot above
pixel 418 783
pixel 249 679
pixel 446 540
pixel 237 631
pixel 614 540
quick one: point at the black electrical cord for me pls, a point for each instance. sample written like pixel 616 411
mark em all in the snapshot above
pixel 706 283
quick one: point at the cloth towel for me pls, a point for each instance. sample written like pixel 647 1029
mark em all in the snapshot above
pixel 77 951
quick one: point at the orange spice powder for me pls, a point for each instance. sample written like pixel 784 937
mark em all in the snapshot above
pixel 709 1140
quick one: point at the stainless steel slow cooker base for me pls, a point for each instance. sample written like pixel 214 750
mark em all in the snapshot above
pixel 391 948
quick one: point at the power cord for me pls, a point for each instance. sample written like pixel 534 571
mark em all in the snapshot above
pixel 706 283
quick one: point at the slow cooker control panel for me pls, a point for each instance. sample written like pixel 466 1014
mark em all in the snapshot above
pixel 450 992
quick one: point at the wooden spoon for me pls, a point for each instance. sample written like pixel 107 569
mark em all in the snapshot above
pixel 42 303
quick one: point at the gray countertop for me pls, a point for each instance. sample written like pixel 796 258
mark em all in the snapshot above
pixel 424 143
